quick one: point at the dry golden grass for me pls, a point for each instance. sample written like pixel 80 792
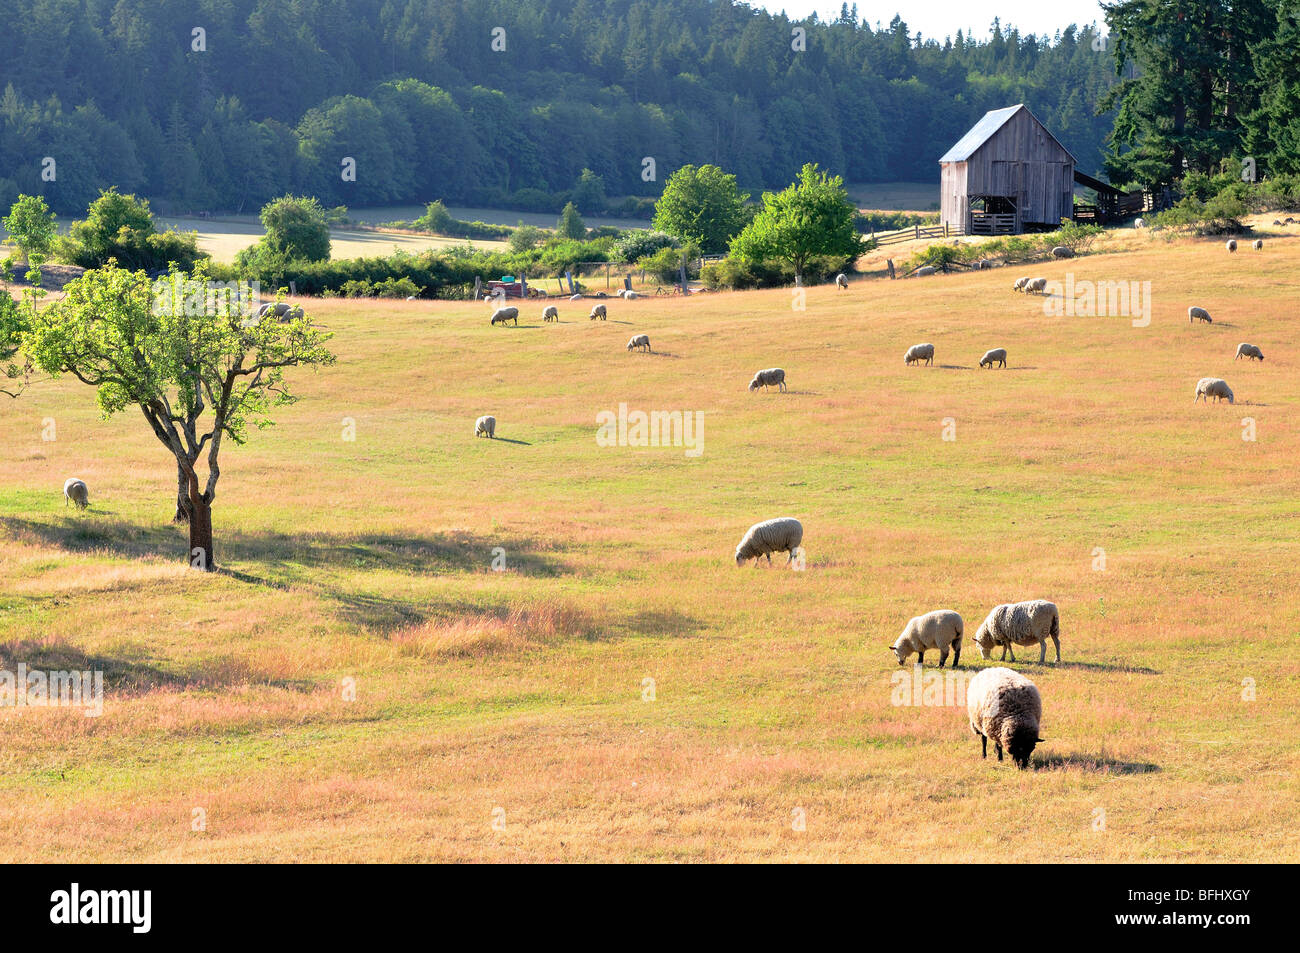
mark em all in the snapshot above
pixel 371 561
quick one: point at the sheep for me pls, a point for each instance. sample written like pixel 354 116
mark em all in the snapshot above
pixel 639 341
pixel 486 425
pixel 75 491
pixel 551 313
pixel 1061 251
pixel 772 377
pixel 1020 284
pixel 1250 352
pixel 940 630
pixel 1022 623
pixel 1277 221
pixel 984 263
pixel 1232 245
pixel 780 535
pixel 1194 314
pixel 629 295
pixel 842 282
pixel 919 352
pixel 502 315
pixel 281 311
pixel 923 271
pixel 1140 223
pixel 575 297
pixel 599 310
pixel 1257 244
pixel 1004 705
pixel 996 356
pixel 1036 285
pixel 1215 387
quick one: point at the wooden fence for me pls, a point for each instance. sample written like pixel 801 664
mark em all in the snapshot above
pixel 915 233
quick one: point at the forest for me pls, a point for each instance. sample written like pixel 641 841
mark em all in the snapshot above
pixel 222 105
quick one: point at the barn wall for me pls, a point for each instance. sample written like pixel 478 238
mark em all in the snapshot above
pixel 953 201
pixel 1022 159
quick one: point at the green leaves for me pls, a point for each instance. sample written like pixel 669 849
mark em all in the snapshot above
pixel 811 218
pixel 702 204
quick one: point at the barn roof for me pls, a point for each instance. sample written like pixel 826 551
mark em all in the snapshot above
pixel 984 130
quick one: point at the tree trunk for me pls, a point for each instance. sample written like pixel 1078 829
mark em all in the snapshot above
pixel 201 554
pixel 182 497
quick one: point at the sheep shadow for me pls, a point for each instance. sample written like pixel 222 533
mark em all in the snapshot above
pixel 1102 667
pixel 668 354
pixel 804 393
pixel 522 443
pixel 126 675
pixel 1095 764
pixel 955 367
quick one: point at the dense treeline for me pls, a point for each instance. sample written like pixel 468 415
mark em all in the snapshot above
pixel 274 93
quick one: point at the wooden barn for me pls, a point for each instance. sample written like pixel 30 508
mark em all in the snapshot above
pixel 1007 175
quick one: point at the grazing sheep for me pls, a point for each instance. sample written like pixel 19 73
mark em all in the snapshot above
pixel 280 310
pixel 1232 245
pixel 599 310
pixel 842 281
pixel 1021 623
pixel 940 630
pixel 551 313
pixel 1215 387
pixel 1060 251
pixel 75 491
pixel 639 341
pixel 923 271
pixel 996 356
pixel 1004 705
pixel 1140 223
pixel 629 295
pixel 1198 314
pixel 1020 284
pixel 485 425
pixel 1250 352
pixel 983 263
pixel 575 297
pixel 772 377
pixel 783 534
pixel 502 315
pixel 1257 244
pixel 919 352
pixel 1038 285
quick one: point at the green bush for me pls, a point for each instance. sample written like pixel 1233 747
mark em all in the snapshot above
pixel 732 274
pixel 640 243
pixel 438 221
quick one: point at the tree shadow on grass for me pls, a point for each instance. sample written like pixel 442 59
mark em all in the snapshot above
pixel 1093 763
pixel 659 622
pixel 125 675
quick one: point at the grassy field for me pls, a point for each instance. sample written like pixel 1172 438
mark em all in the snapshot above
pixel 505 716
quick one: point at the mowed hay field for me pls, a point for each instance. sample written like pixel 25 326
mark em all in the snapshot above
pixel 524 690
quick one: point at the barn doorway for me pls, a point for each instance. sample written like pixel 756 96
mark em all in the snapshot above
pixel 994 215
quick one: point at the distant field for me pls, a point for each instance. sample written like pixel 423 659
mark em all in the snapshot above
pixel 508 715
pixel 896 196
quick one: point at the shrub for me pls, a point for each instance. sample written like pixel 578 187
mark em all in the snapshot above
pixel 640 243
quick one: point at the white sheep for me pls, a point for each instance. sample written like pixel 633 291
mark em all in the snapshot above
pixel 1004 705
pixel 1257 244
pixel 771 377
pixel 280 310
pixel 923 271
pixel 575 297
pixel 485 426
pixel 941 629
pixel 502 315
pixel 780 535
pixel 639 341
pixel 996 356
pixel 1061 251
pixel 551 313
pixel 629 295
pixel 1036 285
pixel 75 491
pixel 1198 314
pixel 842 282
pixel 1140 223
pixel 599 310
pixel 1020 284
pixel 919 352
pixel 1250 352
pixel 1020 623
pixel 1232 245
pixel 1215 387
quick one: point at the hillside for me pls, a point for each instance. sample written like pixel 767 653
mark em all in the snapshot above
pixel 524 690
